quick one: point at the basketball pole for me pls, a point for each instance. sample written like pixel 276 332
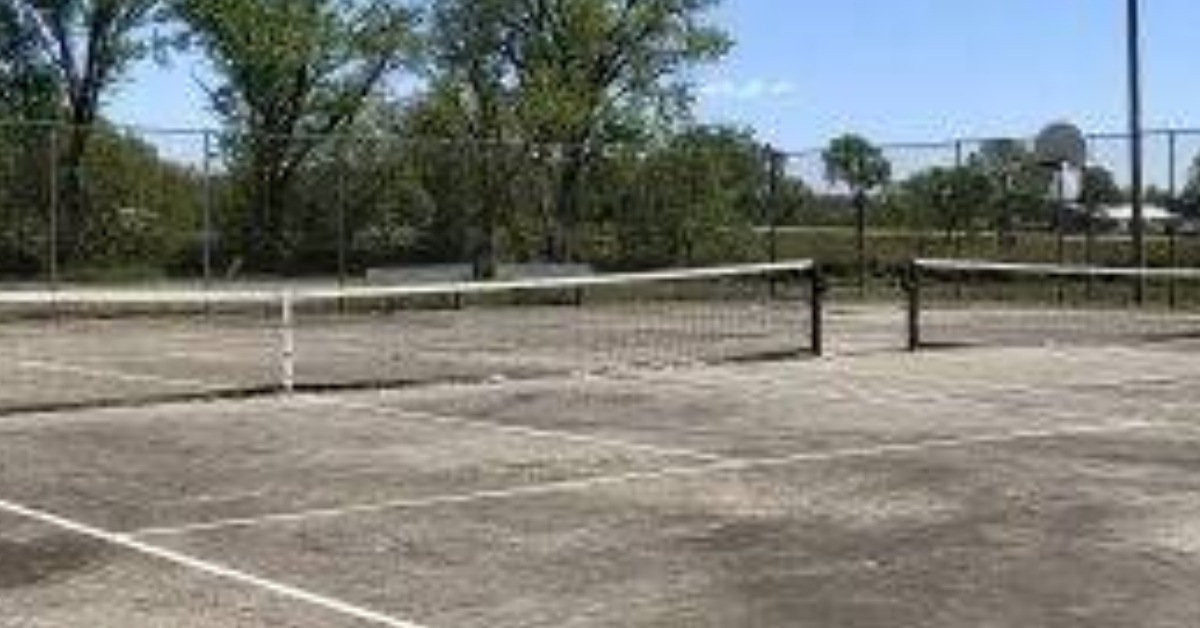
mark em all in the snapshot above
pixel 1136 157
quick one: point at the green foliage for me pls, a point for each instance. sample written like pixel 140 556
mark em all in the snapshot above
pixel 1099 187
pixel 854 161
pixel 576 73
pixel 89 45
pixel 590 66
pixel 27 82
pixel 143 210
pixel 698 200
pixel 1019 183
pixel 293 73
pixel 25 158
pixel 146 209
pixel 82 48
pixel 297 67
pixel 1189 201
pixel 949 199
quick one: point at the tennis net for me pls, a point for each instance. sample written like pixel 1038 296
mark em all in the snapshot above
pixel 965 303
pixel 71 349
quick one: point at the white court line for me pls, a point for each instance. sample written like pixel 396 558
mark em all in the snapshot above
pixel 728 466
pixel 144 378
pixel 212 569
pixel 518 430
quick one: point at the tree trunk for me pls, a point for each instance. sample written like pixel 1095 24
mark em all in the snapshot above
pixel 73 206
pixel 265 246
pixel 483 254
pixel 567 201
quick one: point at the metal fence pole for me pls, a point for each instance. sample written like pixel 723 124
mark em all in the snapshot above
pixel 775 161
pixel 206 237
pixel 340 173
pixel 1060 225
pixel 1136 148
pixel 860 240
pixel 1173 262
pixel 53 209
pixel 959 234
pixel 1173 165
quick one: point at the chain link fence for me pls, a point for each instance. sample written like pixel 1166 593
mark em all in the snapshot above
pixel 990 199
pixel 205 208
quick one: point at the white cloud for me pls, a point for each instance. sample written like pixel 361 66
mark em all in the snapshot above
pixel 749 90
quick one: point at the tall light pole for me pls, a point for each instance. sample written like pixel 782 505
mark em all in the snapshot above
pixel 1134 42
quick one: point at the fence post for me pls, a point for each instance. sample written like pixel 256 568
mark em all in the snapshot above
pixel 1173 262
pixel 956 234
pixel 1060 226
pixel 1173 164
pixel 340 173
pixel 206 236
pixel 1089 252
pixel 53 209
pixel 775 162
pixel 860 240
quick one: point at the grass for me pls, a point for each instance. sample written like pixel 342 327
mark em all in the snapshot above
pixel 837 249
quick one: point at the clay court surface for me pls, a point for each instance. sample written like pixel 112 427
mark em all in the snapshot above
pixel 982 486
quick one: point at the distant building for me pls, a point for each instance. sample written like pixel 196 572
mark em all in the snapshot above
pixel 1157 218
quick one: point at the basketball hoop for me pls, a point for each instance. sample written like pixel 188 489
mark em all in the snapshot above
pixel 1061 145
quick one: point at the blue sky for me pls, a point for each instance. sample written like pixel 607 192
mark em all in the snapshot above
pixel 895 70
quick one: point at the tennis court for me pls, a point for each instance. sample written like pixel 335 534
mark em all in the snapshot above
pixel 993 485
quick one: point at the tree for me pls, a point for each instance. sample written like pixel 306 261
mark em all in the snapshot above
pixel 1189 200
pixel 589 71
pixel 26 79
pixel 951 197
pixel 88 45
pixel 1099 187
pixel 26 92
pixel 1018 183
pixel 861 166
pixel 473 88
pixel 697 200
pixel 293 73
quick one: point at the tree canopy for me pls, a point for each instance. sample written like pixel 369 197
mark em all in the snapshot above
pixel 292 73
pixel 356 133
pixel 27 82
pixel 78 50
pixel 854 161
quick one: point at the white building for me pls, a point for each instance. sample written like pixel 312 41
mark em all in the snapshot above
pixel 1157 218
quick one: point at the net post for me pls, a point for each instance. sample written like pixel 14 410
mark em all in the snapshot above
pixel 287 342
pixel 818 287
pixel 912 289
